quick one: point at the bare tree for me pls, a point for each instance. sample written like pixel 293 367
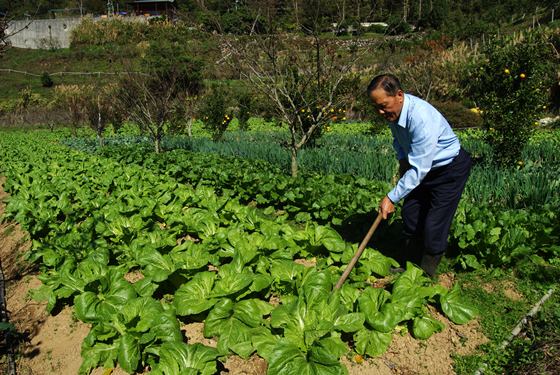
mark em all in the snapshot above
pixel 305 80
pixel 99 108
pixel 4 42
pixel 156 99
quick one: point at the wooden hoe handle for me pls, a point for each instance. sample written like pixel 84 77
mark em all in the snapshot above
pixel 358 254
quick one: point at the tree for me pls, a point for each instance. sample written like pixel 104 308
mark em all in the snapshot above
pixel 99 109
pixel 216 110
pixel 304 81
pixel 510 84
pixel 155 99
pixel 4 43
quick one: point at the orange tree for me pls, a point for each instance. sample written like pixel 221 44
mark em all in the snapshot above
pixel 511 84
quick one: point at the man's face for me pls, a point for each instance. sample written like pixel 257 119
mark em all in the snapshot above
pixel 389 107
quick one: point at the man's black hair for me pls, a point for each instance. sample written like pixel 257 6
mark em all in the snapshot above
pixel 388 82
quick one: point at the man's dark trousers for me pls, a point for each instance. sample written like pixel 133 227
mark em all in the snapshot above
pixel 428 210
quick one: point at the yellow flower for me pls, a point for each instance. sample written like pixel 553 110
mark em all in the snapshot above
pixel 506 70
pixel 332 109
pixel 520 163
pixel 358 359
pixel 344 119
pixel 536 123
pixel 522 76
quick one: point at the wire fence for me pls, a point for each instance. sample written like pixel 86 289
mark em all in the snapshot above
pixel 71 73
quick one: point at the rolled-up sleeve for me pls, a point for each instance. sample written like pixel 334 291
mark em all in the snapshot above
pixel 423 147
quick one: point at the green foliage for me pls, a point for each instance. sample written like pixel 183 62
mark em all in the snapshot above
pixel 46 80
pixel 510 86
pixel 245 108
pixel 172 69
pixel 507 236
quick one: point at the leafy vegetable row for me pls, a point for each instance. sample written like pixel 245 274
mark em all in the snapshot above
pixel 484 235
pixel 139 254
pixel 323 198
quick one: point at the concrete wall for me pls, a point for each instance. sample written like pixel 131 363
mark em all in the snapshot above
pixel 42 34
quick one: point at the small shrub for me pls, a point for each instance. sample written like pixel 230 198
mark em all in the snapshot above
pixel 46 80
pixel 458 116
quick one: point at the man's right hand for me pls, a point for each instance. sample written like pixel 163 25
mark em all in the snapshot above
pixel 403 167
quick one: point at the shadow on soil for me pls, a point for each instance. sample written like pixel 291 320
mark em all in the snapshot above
pixel 387 238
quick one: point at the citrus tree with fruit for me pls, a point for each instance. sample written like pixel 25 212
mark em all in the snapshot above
pixel 510 84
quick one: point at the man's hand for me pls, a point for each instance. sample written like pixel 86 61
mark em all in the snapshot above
pixel 386 207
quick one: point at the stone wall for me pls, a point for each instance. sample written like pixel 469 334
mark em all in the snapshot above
pixel 42 34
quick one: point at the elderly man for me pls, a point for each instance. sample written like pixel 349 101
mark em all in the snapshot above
pixel 433 169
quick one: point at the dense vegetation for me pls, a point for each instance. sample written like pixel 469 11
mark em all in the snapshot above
pixel 464 18
pixel 208 226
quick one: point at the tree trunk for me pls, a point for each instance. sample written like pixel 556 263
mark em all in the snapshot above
pixel 189 127
pixel 405 10
pixel 296 12
pixel 158 144
pixel 294 164
pixel 99 128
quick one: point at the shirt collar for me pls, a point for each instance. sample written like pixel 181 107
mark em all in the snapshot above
pixel 404 112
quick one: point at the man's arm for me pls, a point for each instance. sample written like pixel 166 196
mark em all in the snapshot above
pixel 403 167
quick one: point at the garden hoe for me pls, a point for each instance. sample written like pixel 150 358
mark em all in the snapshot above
pixel 361 248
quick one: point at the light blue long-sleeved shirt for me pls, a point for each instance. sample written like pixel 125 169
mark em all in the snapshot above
pixel 423 137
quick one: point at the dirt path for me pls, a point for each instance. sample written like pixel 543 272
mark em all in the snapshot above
pixel 48 344
pixel 51 344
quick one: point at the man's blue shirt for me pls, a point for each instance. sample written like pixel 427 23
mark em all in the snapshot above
pixel 423 137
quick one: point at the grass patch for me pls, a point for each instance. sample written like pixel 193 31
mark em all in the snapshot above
pixel 500 311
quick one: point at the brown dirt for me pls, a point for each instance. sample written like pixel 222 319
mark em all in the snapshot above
pixel 507 288
pixel 13 243
pixel 511 292
pixel 406 355
pixel 237 366
pixel 447 280
pixel 306 262
pixel 194 334
pixel 51 344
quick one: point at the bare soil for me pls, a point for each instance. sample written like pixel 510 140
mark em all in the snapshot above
pixel 506 287
pixel 51 344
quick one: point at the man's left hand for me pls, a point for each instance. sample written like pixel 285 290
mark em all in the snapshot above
pixel 386 207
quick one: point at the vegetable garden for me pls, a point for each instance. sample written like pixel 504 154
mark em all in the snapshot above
pixel 140 243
